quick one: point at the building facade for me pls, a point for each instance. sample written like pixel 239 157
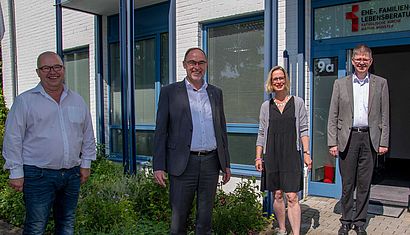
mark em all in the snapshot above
pixel 243 39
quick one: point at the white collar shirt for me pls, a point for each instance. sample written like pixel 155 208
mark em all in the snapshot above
pixel 46 134
pixel 360 101
pixel 203 133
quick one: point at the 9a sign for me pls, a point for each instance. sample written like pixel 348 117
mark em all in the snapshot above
pixel 325 66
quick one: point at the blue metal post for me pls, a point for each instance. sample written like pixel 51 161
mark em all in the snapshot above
pixel 172 41
pixel 127 85
pixel 124 85
pixel 131 86
pixel 99 80
pixel 59 28
pixel 271 59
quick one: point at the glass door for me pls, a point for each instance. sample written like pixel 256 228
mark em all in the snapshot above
pixel 327 66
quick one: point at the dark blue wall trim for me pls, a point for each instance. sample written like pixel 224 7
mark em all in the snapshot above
pixel 148 20
pixel 301 26
pixel 324 3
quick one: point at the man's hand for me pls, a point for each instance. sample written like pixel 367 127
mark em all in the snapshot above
pixel 333 151
pixel 383 150
pixel 226 175
pixel 17 184
pixel 84 174
pixel 160 177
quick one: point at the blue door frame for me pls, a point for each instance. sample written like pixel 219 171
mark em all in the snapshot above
pixel 321 188
pixel 338 47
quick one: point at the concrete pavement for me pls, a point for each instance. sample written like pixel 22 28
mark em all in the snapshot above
pixel 321 216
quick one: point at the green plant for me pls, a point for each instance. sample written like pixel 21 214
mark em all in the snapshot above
pixel 239 212
pixel 114 203
pixel 11 206
pixel 149 199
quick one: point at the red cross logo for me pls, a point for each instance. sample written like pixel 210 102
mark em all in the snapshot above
pixel 354 18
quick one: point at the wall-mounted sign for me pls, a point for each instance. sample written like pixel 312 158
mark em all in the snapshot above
pixel 361 18
pixel 325 66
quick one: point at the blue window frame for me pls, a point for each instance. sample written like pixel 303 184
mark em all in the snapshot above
pixel 151 72
pixel 236 65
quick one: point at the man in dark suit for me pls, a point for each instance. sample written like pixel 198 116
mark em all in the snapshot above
pixel 358 130
pixel 191 144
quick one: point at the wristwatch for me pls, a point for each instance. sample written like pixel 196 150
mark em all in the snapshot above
pixel 306 152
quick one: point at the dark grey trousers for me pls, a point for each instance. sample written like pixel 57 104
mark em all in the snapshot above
pixel 200 178
pixel 356 169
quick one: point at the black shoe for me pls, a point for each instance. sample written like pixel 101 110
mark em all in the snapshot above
pixel 360 230
pixel 344 229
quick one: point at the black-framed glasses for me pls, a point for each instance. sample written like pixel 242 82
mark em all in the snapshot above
pixel 56 68
pixel 193 62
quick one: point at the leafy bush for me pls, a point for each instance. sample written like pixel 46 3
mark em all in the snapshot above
pixel 114 203
pixel 3 115
pixel 12 206
pixel 239 212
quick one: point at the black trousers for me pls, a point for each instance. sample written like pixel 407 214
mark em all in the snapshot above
pixel 200 178
pixel 356 169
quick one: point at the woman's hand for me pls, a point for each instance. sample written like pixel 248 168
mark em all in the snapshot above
pixel 258 164
pixel 307 160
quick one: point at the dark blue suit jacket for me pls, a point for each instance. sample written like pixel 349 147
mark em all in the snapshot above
pixel 173 133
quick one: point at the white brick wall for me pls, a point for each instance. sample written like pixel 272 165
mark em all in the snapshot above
pixel 35 33
pixel 78 31
pixel 191 13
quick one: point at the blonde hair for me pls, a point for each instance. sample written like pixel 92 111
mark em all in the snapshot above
pixel 269 87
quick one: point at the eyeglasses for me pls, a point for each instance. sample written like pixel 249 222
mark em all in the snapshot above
pixel 56 68
pixel 364 60
pixel 278 79
pixel 194 63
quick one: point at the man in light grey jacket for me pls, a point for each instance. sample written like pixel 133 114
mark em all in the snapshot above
pixel 358 130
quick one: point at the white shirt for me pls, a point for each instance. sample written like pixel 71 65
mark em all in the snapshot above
pixel 40 132
pixel 360 101
pixel 203 133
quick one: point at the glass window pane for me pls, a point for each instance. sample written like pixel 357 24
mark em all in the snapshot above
pixel 242 148
pixel 77 73
pixel 115 85
pixel 325 73
pixel 145 81
pixel 116 139
pixel 236 64
pixel 145 142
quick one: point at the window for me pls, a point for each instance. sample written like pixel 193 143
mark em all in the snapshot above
pixel 149 70
pixel 77 72
pixel 236 64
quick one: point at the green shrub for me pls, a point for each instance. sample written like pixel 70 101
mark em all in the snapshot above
pixel 114 203
pixel 11 206
pixel 239 212
pixel 149 199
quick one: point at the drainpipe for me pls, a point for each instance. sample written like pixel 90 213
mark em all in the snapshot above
pixel 13 48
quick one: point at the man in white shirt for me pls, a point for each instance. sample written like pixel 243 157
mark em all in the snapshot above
pixel 48 147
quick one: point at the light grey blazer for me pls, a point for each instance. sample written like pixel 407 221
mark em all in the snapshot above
pixel 301 123
pixel 341 113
